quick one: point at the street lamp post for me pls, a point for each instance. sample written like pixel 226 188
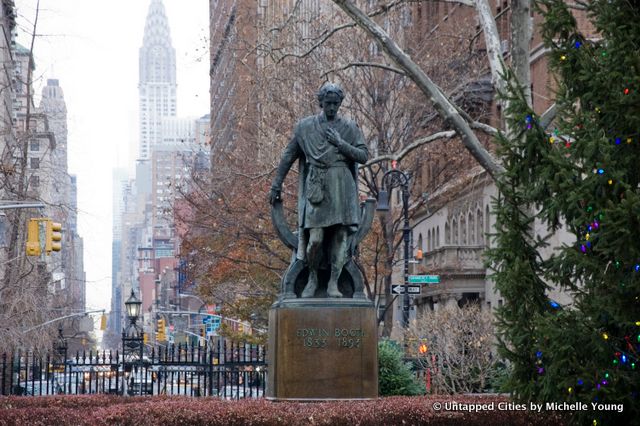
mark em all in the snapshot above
pixel 393 179
pixel 132 339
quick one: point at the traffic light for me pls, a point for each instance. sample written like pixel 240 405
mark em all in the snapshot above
pixel 33 238
pixel 53 237
pixel 145 338
pixel 103 322
pixel 161 336
pixel 423 348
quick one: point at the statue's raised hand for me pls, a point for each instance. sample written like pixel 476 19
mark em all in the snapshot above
pixel 333 136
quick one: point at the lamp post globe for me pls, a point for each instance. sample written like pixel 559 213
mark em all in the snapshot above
pixel 133 307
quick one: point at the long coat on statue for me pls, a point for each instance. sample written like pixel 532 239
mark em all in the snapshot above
pixel 328 191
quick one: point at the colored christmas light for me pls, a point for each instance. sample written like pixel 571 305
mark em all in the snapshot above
pixel 623 358
pixel 539 354
pixel 618 141
pixel 605 336
pixel 577 45
pixel 628 140
pixel 555 305
pixel 563 57
pixel 540 370
pixel 580 382
pixel 600 171
pixel 583 248
pixel 637 322
pixel 610 181
pixel 626 91
pixel 570 390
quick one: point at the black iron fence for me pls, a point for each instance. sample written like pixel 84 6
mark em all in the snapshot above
pixel 225 369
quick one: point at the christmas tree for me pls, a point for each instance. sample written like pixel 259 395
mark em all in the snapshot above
pixel 582 174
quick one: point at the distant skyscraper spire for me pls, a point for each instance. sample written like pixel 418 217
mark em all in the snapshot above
pixel 53 105
pixel 157 85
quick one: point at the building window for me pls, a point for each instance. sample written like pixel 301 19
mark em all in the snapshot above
pixel 34 181
pixel 447 233
pixel 34 146
pixel 480 226
pixel 454 228
pixel 35 163
pixel 463 231
pixel 486 220
pixel 472 230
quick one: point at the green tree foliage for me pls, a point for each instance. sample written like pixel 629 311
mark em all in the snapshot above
pixel 583 174
pixel 394 374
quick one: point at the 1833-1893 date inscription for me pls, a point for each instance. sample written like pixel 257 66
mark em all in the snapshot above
pixel 349 338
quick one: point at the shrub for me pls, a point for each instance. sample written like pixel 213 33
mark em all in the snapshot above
pixel 394 375
pixel 94 410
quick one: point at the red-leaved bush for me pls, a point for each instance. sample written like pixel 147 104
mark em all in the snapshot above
pixel 96 410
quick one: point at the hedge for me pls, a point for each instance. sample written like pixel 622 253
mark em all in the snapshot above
pixel 97 410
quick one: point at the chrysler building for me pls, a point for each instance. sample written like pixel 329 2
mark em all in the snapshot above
pixel 157 86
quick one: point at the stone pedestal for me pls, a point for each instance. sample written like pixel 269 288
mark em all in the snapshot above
pixel 322 349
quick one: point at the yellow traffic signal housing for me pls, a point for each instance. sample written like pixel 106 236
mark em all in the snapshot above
pixel 145 338
pixel 103 322
pixel 53 237
pixel 161 336
pixel 33 238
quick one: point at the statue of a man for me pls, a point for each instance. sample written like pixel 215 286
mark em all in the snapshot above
pixel 328 148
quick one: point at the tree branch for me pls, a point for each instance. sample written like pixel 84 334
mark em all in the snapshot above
pixel 443 105
pixel 415 144
pixel 364 64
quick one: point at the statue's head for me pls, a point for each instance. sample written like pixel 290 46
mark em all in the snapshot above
pixel 330 97
pixel 328 88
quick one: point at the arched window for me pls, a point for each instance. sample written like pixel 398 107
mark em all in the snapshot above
pixel 472 229
pixel 437 244
pixel 454 230
pixel 420 242
pixel 487 225
pixel 447 233
pixel 463 231
pixel 480 226
pixel 428 240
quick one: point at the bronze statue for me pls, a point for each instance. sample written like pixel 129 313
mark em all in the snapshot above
pixel 329 148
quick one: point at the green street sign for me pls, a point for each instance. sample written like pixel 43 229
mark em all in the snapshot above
pixel 424 279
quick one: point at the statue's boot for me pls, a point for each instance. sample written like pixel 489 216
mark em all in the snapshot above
pixel 311 287
pixel 332 289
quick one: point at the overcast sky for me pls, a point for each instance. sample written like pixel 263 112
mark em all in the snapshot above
pixel 91 46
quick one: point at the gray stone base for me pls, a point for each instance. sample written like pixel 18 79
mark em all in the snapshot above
pixel 322 349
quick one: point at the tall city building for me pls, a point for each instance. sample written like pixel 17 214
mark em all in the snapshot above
pixel 157 84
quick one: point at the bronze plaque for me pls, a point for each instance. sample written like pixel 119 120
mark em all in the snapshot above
pixel 323 349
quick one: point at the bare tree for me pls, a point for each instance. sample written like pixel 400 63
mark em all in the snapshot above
pixel 459 346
